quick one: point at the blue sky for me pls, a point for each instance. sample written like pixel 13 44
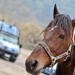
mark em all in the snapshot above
pixel 43 9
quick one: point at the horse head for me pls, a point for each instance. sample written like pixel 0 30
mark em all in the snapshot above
pixel 54 47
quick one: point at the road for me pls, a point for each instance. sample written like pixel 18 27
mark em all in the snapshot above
pixel 17 68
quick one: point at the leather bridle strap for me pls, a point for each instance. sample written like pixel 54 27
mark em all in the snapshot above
pixel 52 57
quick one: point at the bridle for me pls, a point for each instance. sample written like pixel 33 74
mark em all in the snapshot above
pixel 55 58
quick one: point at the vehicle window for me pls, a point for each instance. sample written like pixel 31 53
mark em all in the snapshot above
pixel 10 29
pixel 8 37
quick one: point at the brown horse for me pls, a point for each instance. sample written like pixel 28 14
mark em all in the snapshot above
pixel 56 46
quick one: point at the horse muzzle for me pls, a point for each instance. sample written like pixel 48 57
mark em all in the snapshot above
pixel 31 66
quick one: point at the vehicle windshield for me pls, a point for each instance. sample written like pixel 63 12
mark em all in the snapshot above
pixel 8 37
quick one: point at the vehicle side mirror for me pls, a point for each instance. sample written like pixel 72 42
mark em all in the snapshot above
pixel 20 46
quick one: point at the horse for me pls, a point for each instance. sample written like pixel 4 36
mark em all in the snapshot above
pixel 57 46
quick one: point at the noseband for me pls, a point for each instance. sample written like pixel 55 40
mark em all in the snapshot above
pixel 51 56
pixel 55 58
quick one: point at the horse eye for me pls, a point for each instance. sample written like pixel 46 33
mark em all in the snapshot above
pixel 61 36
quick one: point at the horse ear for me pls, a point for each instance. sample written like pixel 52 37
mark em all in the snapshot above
pixel 55 11
pixel 73 22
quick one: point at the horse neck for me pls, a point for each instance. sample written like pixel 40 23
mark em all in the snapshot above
pixel 67 67
pixel 64 67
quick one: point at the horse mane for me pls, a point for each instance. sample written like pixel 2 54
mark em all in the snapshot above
pixel 61 20
pixel 46 28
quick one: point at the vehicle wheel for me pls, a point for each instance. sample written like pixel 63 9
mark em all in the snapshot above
pixel 2 55
pixel 12 58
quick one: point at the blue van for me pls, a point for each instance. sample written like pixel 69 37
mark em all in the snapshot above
pixel 9 41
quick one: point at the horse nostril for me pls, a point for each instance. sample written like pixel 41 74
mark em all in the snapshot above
pixel 31 65
pixel 34 63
